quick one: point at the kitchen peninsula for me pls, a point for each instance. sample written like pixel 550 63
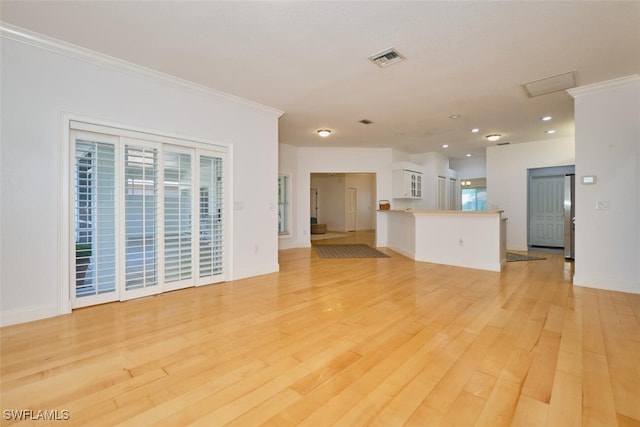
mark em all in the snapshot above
pixel 473 239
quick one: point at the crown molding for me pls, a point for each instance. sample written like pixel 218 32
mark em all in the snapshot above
pixel 605 86
pixel 40 41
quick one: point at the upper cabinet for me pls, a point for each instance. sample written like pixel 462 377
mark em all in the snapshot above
pixel 407 184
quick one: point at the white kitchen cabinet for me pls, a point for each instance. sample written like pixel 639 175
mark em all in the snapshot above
pixel 407 184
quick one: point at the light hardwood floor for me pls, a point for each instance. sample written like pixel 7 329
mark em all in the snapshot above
pixel 384 342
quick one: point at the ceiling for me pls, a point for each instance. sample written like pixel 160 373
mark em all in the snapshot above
pixel 310 60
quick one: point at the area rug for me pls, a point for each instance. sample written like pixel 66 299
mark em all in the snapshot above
pixel 512 257
pixel 348 251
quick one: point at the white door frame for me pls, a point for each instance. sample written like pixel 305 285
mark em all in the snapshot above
pixel 351 217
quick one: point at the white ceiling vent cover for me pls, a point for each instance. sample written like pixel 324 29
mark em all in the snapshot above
pixel 551 84
pixel 387 57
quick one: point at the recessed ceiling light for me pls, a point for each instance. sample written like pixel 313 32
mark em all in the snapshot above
pixel 324 133
pixel 445 145
pixel 546 118
pixel 455 116
pixel 550 131
pixel 475 130
pixel 494 137
pixel 468 154
pixel 365 121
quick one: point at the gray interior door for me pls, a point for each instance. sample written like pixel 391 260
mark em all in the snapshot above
pixel 546 210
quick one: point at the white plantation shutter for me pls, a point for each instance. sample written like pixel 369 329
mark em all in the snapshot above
pixel 141 217
pixel 178 207
pixel 211 216
pixel 94 189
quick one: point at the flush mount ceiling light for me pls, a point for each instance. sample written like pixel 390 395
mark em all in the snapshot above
pixel 551 84
pixel 493 137
pixel 324 133
pixel 387 57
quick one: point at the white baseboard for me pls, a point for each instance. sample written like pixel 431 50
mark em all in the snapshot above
pixel 13 317
pixel 606 284
pixel 257 270
pixel 402 252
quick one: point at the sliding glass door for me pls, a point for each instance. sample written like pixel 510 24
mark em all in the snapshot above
pixel 149 217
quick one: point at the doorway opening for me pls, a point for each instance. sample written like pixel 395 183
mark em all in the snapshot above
pixel 344 202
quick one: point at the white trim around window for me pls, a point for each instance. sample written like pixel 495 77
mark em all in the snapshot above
pixel 284 204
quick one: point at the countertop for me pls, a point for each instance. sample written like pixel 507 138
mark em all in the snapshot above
pixel 440 212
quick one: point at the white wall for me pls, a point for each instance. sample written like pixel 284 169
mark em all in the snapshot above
pixel 507 180
pixel 365 184
pixel 474 167
pixel 39 85
pixel 607 120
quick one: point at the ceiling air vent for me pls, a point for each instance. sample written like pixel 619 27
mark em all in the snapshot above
pixel 551 84
pixel 387 57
